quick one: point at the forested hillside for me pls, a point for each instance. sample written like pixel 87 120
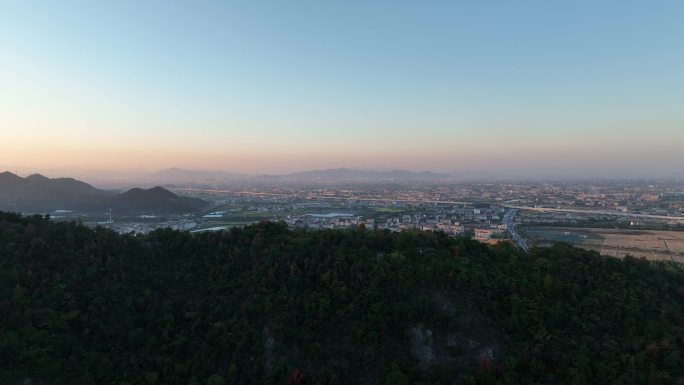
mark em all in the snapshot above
pixel 267 305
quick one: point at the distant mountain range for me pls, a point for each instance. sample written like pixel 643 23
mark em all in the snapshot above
pixel 37 193
pixel 354 174
pixel 178 175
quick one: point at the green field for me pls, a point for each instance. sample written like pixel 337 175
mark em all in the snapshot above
pixel 388 210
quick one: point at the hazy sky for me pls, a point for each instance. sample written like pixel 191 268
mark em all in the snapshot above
pixel 259 86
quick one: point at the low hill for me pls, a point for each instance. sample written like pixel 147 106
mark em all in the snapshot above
pixel 266 305
pixel 11 185
pixel 37 193
pixel 156 199
pixel 69 185
pixel 9 179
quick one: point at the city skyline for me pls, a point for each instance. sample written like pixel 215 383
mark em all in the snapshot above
pixel 527 89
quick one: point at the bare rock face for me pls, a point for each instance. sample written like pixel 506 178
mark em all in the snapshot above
pixel 423 345
pixel 269 353
pixel 469 339
pixel 31 381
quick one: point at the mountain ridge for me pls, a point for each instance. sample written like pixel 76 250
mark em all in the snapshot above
pixel 350 174
pixel 39 193
pixel 181 175
pixel 177 174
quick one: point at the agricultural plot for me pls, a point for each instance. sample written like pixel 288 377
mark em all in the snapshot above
pixel 649 244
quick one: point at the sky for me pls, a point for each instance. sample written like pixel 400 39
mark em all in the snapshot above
pixel 526 87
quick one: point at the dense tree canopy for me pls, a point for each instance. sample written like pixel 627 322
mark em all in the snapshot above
pixel 268 305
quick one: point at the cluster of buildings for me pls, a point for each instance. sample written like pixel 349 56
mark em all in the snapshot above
pixel 482 224
pixel 474 209
pixel 144 227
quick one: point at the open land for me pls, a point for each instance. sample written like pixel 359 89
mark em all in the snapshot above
pixel 649 244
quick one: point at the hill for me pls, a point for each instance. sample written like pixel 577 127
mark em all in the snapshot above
pixel 156 199
pixel 69 185
pixel 11 185
pixel 10 179
pixel 266 305
pixel 37 193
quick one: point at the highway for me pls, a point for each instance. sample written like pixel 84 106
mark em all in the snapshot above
pixel 509 221
pixel 594 212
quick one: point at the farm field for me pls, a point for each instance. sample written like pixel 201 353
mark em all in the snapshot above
pixel 649 244
pixel 388 210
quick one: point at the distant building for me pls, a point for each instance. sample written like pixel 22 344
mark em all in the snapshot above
pixel 482 234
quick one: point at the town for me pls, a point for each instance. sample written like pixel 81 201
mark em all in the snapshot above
pixel 523 212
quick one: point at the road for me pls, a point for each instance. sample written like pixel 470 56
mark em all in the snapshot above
pixel 509 221
pixel 595 212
